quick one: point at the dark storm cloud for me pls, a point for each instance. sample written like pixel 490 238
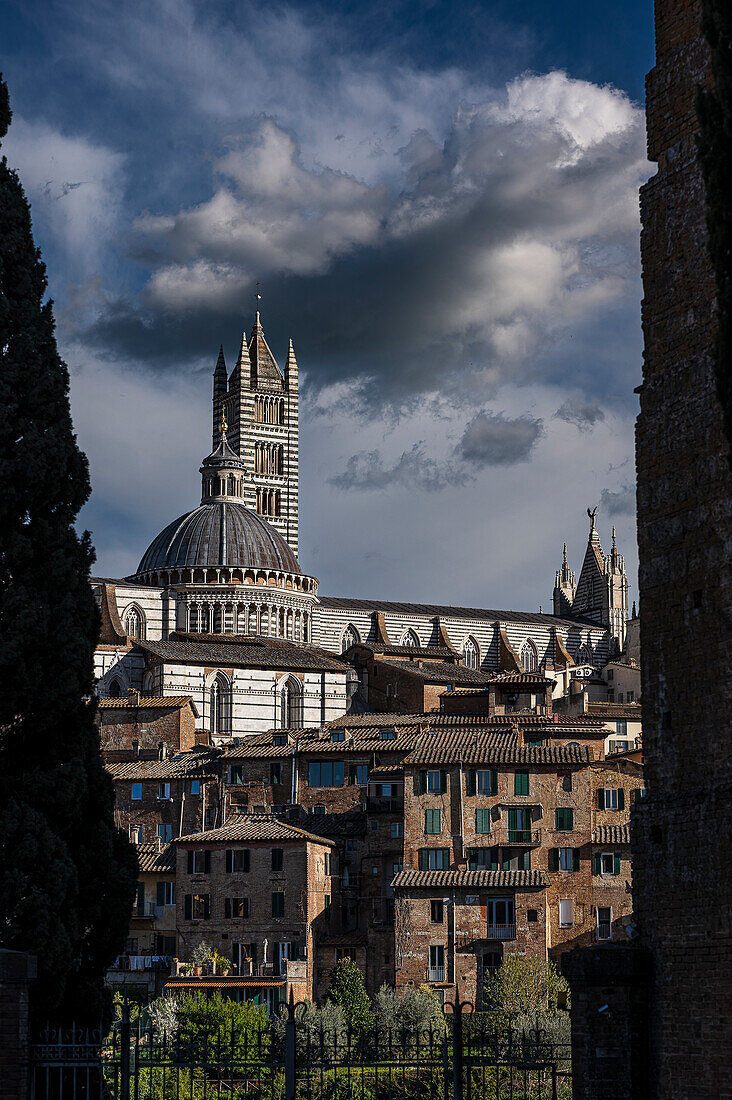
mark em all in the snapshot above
pixel 620 503
pixel 519 225
pixel 497 441
pixel 583 414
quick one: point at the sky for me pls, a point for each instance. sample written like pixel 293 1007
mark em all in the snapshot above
pixel 440 201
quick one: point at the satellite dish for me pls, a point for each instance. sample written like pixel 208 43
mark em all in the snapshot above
pixel 631 930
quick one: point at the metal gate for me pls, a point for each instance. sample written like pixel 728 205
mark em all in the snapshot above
pixel 284 1060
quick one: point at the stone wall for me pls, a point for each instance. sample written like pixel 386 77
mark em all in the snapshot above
pixel 683 832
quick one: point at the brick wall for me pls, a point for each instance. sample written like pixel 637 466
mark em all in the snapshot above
pixel 683 833
pixel 173 727
pixel 151 810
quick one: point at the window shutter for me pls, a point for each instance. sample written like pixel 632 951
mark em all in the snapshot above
pixel 141 897
pixel 471 782
pixel 352 775
pixel 617 863
pixel 597 860
pixel 423 860
pixel 443 782
pixel 512 820
pixel 621 799
pixel 575 859
pixel 227 907
pixel 247 859
pixel 601 798
pixel 445 858
pixel 423 782
pixel 494 859
pixel 188 906
pixel 494 782
pixel 161 893
pixel 190 861
pixel 553 859
pixel 207 862
pixel 229 861
pixel 206 906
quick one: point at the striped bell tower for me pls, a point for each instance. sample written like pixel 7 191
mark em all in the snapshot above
pixel 262 408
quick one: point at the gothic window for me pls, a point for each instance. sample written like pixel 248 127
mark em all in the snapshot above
pixel 220 706
pixel 470 653
pixel 350 637
pixel 529 657
pixel 115 690
pixel 584 656
pixel 134 621
pixel 291 704
pixel 410 638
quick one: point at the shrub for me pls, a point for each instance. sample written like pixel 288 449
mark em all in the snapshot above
pixel 347 990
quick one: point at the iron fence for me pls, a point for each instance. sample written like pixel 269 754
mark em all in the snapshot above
pixel 464 1058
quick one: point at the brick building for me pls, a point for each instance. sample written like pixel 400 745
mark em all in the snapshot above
pixel 158 800
pixel 152 942
pixel 259 891
pixel 146 726
pixel 684 535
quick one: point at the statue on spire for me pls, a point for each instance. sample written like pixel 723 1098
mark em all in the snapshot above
pixel 223 426
pixel 592 513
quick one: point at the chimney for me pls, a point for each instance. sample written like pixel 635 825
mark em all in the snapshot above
pixel 133 697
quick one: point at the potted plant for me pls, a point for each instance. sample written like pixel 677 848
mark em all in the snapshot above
pixel 200 957
pixel 185 969
pixel 222 964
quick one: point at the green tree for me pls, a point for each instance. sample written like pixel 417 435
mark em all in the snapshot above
pixel 67 875
pixel 346 989
pixel 524 985
pixel 239 1031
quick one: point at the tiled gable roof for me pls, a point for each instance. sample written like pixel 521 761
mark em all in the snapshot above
pixel 189 764
pixel 346 603
pixel 407 880
pixel 158 702
pixel 439 672
pixel 250 653
pixel 493 748
pixel 151 858
pixel 253 827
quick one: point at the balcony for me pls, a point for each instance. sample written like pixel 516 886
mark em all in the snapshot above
pixel 142 962
pixel 385 805
pixel 435 973
pixel 149 911
pixel 501 932
pixel 521 838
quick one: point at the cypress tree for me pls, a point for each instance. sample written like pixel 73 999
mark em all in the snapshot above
pixel 67 875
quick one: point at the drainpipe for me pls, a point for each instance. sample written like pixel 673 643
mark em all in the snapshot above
pixel 182 804
pixel 293 783
pixel 452 945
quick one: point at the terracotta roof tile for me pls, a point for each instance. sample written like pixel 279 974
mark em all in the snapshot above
pixel 193 764
pixel 492 748
pixel 247 652
pixel 611 834
pixel 156 701
pixel 406 880
pixel 151 858
pixel 253 827
pixel 439 672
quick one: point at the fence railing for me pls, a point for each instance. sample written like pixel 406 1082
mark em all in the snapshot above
pixel 290 1058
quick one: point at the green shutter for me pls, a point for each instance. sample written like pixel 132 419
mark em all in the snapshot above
pixel 553 859
pixel 597 860
pixel 494 781
pixel 621 799
pixel 520 783
pixel 140 898
pixel 482 821
pixel 601 798
pixel 423 782
pixel 617 863
pixel 575 859
pixel 190 861
pixel 471 782
pixel 512 819
pixel 424 861
pixel 445 858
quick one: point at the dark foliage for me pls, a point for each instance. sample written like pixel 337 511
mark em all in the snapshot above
pixel 67 876
pixel 714 108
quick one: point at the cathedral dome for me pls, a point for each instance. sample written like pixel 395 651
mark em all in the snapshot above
pixel 219 533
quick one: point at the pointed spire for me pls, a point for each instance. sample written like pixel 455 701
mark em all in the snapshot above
pixel 219 386
pixel 564 559
pixel 240 374
pixel 291 370
pixel 614 543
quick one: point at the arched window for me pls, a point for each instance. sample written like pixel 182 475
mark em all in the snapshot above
pixel 134 622
pixel 471 656
pixel 529 657
pixel 350 637
pixel 291 704
pixel 584 656
pixel 220 706
pixel 410 637
pixel 115 690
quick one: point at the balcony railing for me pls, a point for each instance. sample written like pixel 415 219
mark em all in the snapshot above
pixel 435 973
pixel 149 911
pixel 501 932
pixel 604 930
pixel 385 805
pixel 524 838
pixel 142 962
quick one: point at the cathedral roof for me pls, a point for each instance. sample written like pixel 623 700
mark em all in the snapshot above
pixel 220 533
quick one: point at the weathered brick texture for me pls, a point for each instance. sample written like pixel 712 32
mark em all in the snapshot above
pixel 683 832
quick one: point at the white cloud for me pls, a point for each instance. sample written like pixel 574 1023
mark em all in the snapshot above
pixel 74 186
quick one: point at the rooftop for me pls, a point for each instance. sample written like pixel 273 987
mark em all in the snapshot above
pixel 244 651
pixel 346 603
pixel 406 880
pixel 154 859
pixel 157 702
pixel 611 834
pixel 195 763
pixel 253 827
pixel 493 748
